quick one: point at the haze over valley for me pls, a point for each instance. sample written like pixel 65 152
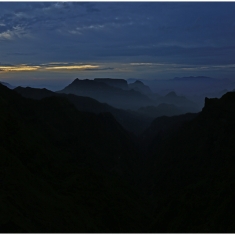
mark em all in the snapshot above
pixel 117 117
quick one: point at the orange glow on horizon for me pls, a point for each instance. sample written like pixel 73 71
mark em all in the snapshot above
pixel 45 67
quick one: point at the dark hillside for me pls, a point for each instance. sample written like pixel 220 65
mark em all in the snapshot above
pixel 192 172
pixel 162 109
pixel 164 126
pixel 130 120
pixel 65 171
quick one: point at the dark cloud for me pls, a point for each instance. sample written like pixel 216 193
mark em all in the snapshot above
pixel 175 32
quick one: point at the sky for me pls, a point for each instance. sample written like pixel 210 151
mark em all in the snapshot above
pixel 56 42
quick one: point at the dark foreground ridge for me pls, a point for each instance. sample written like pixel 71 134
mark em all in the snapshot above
pixel 192 176
pixel 132 121
pixel 65 170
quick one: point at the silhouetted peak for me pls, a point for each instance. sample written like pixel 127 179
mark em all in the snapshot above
pixel 210 102
pixel 19 87
pixel 228 99
pixel 138 82
pixel 7 85
pixel 2 86
pixel 75 80
pixel 220 108
pixel 140 86
pixel 171 94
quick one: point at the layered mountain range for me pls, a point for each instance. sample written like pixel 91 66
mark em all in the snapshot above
pixel 103 92
pixel 132 121
pixel 69 165
pixel 63 170
pixel 119 94
pixel 133 105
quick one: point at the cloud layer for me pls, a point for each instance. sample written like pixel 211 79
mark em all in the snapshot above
pixel 117 37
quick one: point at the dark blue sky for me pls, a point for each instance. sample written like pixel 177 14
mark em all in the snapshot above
pixel 57 42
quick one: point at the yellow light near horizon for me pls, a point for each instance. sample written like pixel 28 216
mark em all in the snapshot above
pixel 18 68
pixel 79 67
pixel 24 68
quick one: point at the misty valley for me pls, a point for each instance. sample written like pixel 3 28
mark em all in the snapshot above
pixel 117 156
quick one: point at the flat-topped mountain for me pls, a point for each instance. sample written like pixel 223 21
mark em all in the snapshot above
pixel 119 83
pixel 119 98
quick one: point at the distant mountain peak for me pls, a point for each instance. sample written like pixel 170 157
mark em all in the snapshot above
pixel 138 82
pixel 140 86
pixel 171 94
pixel 220 107
pixel 7 85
